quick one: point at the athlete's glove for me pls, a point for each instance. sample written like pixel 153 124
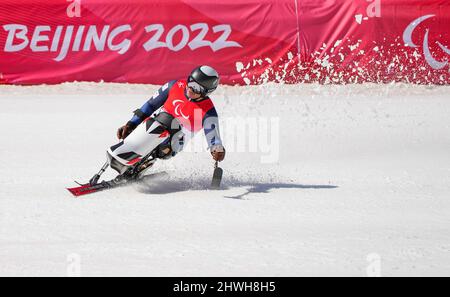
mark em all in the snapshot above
pixel 218 153
pixel 126 130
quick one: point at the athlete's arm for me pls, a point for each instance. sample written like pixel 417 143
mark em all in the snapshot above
pixel 152 105
pixel 211 128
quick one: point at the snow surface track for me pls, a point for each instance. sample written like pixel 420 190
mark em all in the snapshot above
pixel 363 175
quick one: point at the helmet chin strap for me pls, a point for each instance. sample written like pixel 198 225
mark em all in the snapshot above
pixel 198 99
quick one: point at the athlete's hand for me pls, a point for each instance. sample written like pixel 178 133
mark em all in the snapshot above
pixel 218 153
pixel 125 130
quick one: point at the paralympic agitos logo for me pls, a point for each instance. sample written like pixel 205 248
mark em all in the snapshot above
pixel 431 60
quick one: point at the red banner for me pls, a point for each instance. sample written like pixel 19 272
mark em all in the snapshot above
pixel 248 42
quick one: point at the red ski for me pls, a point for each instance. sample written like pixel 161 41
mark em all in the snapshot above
pixel 89 189
pixel 119 181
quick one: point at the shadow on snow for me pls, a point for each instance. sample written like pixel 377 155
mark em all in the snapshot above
pixel 162 183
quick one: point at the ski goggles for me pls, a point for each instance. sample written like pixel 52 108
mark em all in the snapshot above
pixel 196 88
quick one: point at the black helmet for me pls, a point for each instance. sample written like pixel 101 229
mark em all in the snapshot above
pixel 203 80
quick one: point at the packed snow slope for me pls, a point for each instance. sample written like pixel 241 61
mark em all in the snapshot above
pixel 359 186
